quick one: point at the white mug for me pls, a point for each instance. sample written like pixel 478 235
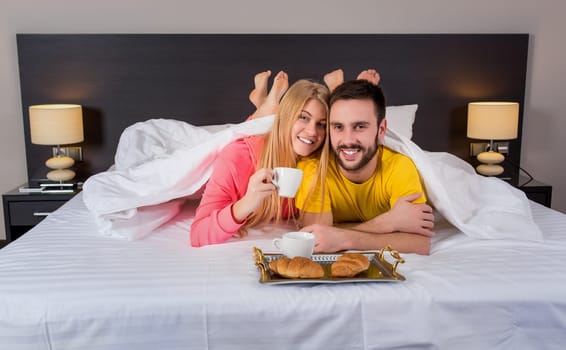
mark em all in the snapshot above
pixel 287 181
pixel 293 244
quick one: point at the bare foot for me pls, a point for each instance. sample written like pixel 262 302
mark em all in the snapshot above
pixel 370 75
pixel 280 85
pixel 271 102
pixel 259 93
pixel 334 78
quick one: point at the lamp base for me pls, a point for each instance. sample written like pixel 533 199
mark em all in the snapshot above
pixel 489 169
pixel 60 175
pixel 490 162
pixel 491 157
pixel 60 164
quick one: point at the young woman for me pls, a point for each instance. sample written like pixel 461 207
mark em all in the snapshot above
pixel 239 193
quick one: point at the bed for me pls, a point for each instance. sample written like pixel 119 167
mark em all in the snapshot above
pixel 64 285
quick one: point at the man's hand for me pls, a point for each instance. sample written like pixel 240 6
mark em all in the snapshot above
pixel 403 217
pixel 328 239
pixel 406 216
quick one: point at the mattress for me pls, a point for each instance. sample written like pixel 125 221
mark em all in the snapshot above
pixel 63 285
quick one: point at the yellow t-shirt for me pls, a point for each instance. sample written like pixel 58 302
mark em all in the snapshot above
pixel 396 176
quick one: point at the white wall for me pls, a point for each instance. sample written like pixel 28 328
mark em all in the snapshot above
pixel 544 121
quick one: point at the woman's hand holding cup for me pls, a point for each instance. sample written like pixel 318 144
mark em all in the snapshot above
pixel 259 187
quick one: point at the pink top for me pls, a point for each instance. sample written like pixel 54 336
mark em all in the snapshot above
pixel 213 222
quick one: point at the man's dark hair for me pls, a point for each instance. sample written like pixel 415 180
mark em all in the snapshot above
pixel 360 90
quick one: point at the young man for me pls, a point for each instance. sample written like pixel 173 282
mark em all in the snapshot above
pixel 369 188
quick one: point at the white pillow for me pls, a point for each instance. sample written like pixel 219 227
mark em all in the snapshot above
pixel 401 118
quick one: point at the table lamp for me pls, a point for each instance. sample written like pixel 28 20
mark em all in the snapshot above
pixel 492 121
pixel 56 125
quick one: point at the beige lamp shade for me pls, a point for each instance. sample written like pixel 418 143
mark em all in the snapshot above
pixel 56 124
pixel 493 120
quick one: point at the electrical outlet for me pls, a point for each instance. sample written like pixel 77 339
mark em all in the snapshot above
pixel 479 147
pixel 74 152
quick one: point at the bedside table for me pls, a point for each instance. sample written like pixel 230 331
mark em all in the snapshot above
pixel 22 211
pixel 536 191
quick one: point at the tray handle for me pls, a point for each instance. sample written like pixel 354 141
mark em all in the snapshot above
pixel 394 254
pixel 259 260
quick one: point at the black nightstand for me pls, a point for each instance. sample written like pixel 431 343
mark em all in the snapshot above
pixel 22 211
pixel 536 191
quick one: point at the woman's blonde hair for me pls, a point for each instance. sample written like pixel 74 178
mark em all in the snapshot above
pixel 278 149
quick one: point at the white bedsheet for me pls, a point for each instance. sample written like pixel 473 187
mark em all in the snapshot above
pixel 63 285
pixel 157 163
pixel 481 207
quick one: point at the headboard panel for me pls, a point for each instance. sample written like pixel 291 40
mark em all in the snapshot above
pixel 205 79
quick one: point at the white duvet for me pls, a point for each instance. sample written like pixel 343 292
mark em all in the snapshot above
pixel 160 162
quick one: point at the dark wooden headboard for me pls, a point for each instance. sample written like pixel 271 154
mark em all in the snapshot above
pixel 205 79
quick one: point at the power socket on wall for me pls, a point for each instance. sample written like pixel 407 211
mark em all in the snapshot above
pixel 479 147
pixel 74 152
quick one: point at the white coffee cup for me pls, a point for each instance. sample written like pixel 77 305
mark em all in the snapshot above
pixel 293 244
pixel 287 181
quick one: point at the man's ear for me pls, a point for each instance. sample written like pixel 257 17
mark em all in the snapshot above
pixel 381 130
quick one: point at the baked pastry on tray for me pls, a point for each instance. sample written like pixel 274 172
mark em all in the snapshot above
pixel 297 267
pixel 349 265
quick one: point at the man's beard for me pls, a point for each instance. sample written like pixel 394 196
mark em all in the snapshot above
pixel 367 155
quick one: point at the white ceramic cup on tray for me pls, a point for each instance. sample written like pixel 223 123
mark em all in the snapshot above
pixel 297 243
pixel 287 181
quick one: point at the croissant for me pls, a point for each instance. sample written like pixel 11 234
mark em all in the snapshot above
pixel 298 267
pixel 349 265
